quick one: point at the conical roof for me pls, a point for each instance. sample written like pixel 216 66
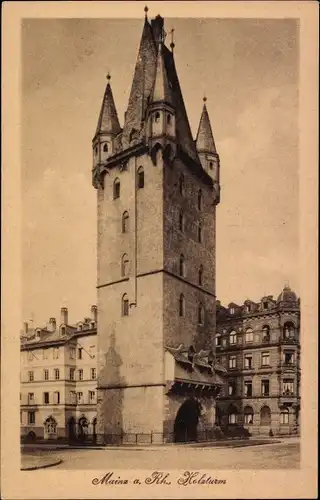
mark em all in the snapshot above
pixel 108 119
pixel 205 141
pixel 161 90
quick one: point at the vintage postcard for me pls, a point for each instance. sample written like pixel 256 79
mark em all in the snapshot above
pixel 160 250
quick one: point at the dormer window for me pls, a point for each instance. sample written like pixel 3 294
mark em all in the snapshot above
pixel 92 325
pixel 38 335
pixel 211 165
pixel 232 310
pixel 157 117
pixel 265 305
pixel 63 330
pixel 80 327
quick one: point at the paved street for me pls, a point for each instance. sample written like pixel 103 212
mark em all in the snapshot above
pixel 283 455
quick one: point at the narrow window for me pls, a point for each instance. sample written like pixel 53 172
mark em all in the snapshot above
pixel 56 397
pixel 96 150
pixel 116 189
pixel 31 376
pixel 72 371
pixel 200 275
pixel 57 374
pixel 91 396
pixel 233 338
pixel 30 398
pixel 199 199
pixel 248 388
pixel 168 119
pixel 157 117
pixel 211 165
pixel 125 305
pixel 80 374
pixel 181 184
pixel 124 265
pixel 265 384
pixel 80 353
pixel 200 233
pixel 46 398
pixel 181 221
pixel 125 222
pixel 200 314
pixel 140 178
pixel 181 305
pixel 181 266
pixel 249 335
pixel 248 361
pixel 46 374
pixel 93 374
pixel 80 397
pixel 31 417
pixel 105 147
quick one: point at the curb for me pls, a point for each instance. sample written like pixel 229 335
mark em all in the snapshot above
pixel 36 467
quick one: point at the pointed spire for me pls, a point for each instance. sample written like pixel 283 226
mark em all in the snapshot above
pixel 161 90
pixel 108 119
pixel 205 141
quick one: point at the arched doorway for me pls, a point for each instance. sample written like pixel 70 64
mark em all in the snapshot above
pixel 71 429
pixel 265 416
pixel 83 428
pixel 50 428
pixel 185 425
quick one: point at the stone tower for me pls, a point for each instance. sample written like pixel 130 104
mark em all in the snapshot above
pixel 157 191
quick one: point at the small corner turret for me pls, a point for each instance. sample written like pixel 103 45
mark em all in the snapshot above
pixel 206 149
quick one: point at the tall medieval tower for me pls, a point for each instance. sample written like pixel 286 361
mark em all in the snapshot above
pixel 157 191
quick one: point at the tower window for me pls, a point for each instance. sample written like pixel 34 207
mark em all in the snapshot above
pixel 116 189
pixel 96 150
pixel 125 305
pixel 200 314
pixel 200 233
pixel 181 305
pixel 169 119
pixel 211 165
pixel 181 184
pixel 140 178
pixel 200 275
pixel 157 117
pixel 181 221
pixel 199 199
pixel 125 265
pixel 181 266
pixel 125 222
pixel 105 147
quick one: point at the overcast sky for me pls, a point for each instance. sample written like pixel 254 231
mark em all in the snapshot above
pixel 248 70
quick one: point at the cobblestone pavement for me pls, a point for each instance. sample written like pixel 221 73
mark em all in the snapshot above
pixel 284 455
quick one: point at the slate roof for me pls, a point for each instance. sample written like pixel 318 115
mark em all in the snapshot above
pixel 108 119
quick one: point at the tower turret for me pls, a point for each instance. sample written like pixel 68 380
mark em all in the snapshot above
pixel 206 147
pixel 107 129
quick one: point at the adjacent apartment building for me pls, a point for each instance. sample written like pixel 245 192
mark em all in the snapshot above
pixel 259 345
pixel 59 379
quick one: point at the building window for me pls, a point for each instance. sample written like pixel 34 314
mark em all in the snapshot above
pixel 116 189
pixel 200 233
pixel 181 305
pixel 80 353
pixel 31 376
pixel 249 336
pixel 233 338
pixel 265 416
pixel 93 373
pixel 30 398
pixel 200 314
pixel 46 399
pixel 57 374
pixel 248 361
pixel 211 165
pixel 265 386
pixel 45 353
pixel 124 265
pixel 140 178
pixel 232 362
pixel 265 359
pixel 168 119
pixel 200 275
pixel 181 221
pixel 105 147
pixel 265 305
pixel 288 331
pixel 248 415
pixel 46 374
pixel 56 397
pixel 56 353
pixel 73 397
pixel 80 327
pixel 72 372
pixel 92 396
pixel 96 150
pixel 232 310
pixel 232 414
pixel 125 222
pixel 80 374
pixel 266 333
pixel 232 388
pixel 284 417
pixel 199 199
pixel 248 388
pixel 288 358
pixel 31 417
pixel 80 397
pixel 63 330
pixel 157 117
pixel 72 352
pixel 30 355
pixel 218 340
pixel 51 426
pixel 125 305
pixel 287 387
pixel 181 265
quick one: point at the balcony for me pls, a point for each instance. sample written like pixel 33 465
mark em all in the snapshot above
pixel 289 341
pixel 288 365
pixel 288 397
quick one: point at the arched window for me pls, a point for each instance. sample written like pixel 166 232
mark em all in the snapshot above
pixel 181 265
pixel 105 147
pixel 181 305
pixel 200 314
pixel 181 184
pixel 265 416
pixel 181 221
pixel 140 178
pixel 125 222
pixel 50 426
pixel 199 199
pixel 265 333
pixel 200 275
pixel 125 305
pixel 284 416
pixel 248 415
pixel 124 265
pixel 157 117
pixel 116 189
pixel 200 233
pixel 249 335
pixel 288 330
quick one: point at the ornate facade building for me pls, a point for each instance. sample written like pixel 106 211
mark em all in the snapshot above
pixel 259 345
pixel 58 374
pixel 157 192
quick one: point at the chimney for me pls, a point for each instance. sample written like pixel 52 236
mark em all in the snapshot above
pixel 64 316
pixel 25 327
pixel 52 324
pixel 94 313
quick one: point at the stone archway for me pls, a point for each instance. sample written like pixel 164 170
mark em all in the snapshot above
pixel 186 422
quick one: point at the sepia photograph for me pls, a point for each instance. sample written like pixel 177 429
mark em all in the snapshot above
pixel 162 292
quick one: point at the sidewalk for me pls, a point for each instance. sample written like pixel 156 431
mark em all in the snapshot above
pixel 31 462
